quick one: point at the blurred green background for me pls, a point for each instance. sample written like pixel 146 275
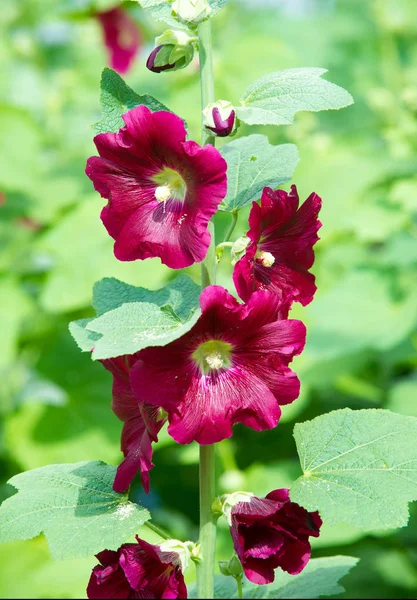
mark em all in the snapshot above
pixel 362 326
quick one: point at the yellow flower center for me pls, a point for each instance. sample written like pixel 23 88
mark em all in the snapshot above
pixel 213 356
pixel 265 258
pixel 170 185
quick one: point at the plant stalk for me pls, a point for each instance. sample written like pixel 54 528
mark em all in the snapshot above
pixel 205 567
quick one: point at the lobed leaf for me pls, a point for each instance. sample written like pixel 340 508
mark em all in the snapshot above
pixel 130 319
pixel 74 505
pixel 275 98
pixel 360 467
pixel 252 164
pixel 116 99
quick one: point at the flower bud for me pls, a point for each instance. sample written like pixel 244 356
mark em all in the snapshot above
pixel 174 50
pixel 239 248
pixel 232 567
pixel 191 12
pixel 220 118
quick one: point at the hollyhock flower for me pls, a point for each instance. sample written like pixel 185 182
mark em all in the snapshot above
pixel 231 367
pixel 139 570
pixel 142 424
pixel 220 118
pixel 162 191
pixel 121 37
pixel 272 532
pixel 280 247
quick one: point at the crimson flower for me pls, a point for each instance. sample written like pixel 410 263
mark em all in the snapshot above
pixel 280 251
pixel 272 532
pixel 162 191
pixel 142 424
pixel 121 37
pixel 231 367
pixel 139 570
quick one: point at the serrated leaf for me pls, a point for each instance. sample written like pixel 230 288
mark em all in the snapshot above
pixel 135 326
pixel 130 319
pixel 252 164
pixel 74 505
pixel 360 467
pixel 182 294
pixel 319 578
pixel 275 98
pixel 85 338
pixel 117 98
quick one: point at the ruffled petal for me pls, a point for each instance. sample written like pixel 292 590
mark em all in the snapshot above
pixel 175 229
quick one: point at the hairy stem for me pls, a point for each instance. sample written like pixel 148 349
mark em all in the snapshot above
pixel 205 568
pixel 157 530
pixel 232 226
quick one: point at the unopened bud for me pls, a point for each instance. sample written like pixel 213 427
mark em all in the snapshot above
pixel 239 248
pixel 232 567
pixel 174 50
pixel 220 118
pixel 191 12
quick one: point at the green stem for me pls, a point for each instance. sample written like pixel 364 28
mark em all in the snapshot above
pixel 206 73
pixel 157 530
pixel 232 226
pixel 239 587
pixel 208 522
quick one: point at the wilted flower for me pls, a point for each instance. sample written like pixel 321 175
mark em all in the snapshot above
pixel 142 424
pixel 280 247
pixel 121 37
pixel 272 532
pixel 231 367
pixel 162 190
pixel 139 570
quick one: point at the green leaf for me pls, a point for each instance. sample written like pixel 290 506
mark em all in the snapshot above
pixel 74 505
pixel 360 467
pixel 130 319
pixel 181 294
pixel 275 98
pixel 319 578
pixel 116 99
pixel 252 164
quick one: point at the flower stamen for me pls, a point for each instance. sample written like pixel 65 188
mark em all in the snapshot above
pixel 266 259
pixel 213 355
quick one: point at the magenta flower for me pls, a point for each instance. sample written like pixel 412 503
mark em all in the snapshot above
pixel 280 251
pixel 150 63
pixel 142 424
pixel 162 191
pixel 231 367
pixel 272 532
pixel 139 570
pixel 121 37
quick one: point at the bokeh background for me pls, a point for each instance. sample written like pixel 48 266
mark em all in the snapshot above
pixel 361 350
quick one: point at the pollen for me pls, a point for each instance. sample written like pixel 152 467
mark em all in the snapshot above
pixel 213 355
pixel 265 258
pixel 214 360
pixel 163 193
